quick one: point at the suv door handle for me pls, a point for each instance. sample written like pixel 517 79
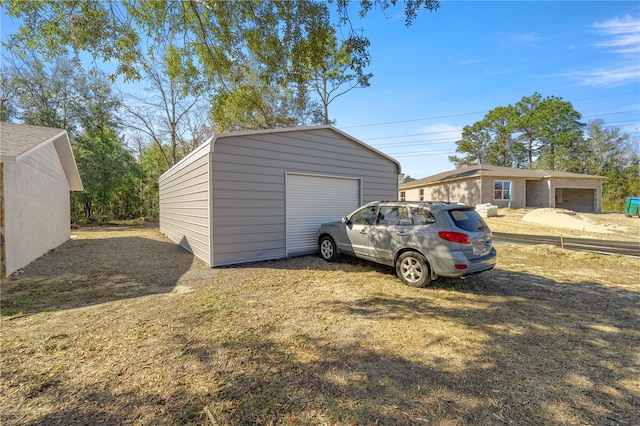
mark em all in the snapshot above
pixel 402 233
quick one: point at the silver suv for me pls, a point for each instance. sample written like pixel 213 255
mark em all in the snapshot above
pixel 423 240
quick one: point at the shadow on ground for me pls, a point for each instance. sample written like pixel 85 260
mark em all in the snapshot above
pixel 558 355
pixel 84 272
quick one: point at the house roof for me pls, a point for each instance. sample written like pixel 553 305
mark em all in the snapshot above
pixel 492 171
pixel 18 140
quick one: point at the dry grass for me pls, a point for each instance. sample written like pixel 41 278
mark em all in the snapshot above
pixel 125 328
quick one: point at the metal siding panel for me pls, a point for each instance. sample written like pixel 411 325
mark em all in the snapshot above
pixel 184 206
pixel 248 178
pixel 312 200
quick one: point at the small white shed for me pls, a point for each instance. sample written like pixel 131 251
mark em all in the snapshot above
pixel 37 171
pixel 259 195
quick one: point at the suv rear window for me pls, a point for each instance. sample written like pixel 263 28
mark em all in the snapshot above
pixel 468 220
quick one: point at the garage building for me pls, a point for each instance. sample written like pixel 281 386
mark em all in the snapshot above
pixel 259 195
pixel 37 171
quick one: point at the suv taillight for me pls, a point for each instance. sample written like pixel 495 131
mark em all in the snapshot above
pixel 455 237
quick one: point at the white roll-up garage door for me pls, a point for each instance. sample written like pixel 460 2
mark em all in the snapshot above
pixel 312 200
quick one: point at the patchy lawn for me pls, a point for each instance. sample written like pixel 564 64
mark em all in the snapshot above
pixel 119 326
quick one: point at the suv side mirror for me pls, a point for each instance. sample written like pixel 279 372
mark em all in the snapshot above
pixel 345 220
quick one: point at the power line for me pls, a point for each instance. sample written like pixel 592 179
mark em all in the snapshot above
pixel 415 119
pixel 458 130
pixel 471 113
pixel 418 142
pixel 413 134
pixel 448 140
pixel 421 153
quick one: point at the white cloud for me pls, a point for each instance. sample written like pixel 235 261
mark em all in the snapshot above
pixel 441 129
pixel 622 34
pixel 607 77
pixel 621 38
pixel 522 39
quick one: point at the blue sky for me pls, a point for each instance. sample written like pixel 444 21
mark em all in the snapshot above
pixel 451 67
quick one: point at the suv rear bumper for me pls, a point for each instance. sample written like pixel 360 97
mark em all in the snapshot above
pixel 445 266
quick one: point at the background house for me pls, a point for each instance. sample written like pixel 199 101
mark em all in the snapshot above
pixel 260 195
pixel 37 171
pixel 507 187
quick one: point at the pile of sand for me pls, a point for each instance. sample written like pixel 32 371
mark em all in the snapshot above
pixel 563 218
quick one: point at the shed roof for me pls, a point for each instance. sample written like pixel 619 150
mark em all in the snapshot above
pixel 492 171
pixel 18 140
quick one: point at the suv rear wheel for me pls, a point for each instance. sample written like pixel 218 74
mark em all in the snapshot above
pixel 412 268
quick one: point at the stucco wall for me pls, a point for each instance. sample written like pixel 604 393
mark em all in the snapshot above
pixel 36 201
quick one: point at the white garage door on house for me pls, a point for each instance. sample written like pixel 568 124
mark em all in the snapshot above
pixel 312 200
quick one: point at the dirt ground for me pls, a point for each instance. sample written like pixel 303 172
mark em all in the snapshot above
pixel 562 222
pixel 120 326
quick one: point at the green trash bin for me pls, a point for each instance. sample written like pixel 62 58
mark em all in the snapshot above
pixel 632 208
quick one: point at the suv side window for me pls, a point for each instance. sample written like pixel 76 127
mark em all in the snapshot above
pixel 422 216
pixel 365 216
pixel 393 216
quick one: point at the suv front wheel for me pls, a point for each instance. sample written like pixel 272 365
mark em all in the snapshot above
pixel 328 249
pixel 412 268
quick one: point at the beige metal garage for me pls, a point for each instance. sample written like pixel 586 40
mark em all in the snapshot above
pixel 259 195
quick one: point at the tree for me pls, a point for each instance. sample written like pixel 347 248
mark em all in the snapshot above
pixel 474 143
pixel 503 150
pixel 163 110
pixel 8 95
pixel 107 168
pixel 527 121
pixel 559 135
pixel 108 174
pixel 248 103
pixel 331 78
pixel 406 179
pixel 330 67
pixel 152 163
pixel 605 149
pixel 41 94
pixel 219 39
pixel 60 95
pixel 544 133
pixel 609 152
pixel 218 33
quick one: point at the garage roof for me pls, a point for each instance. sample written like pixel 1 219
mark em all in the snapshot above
pixel 18 140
